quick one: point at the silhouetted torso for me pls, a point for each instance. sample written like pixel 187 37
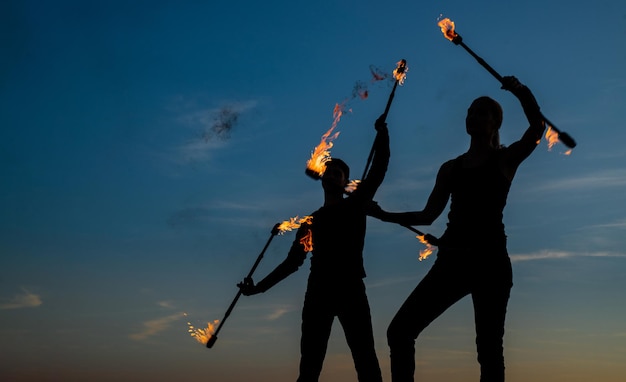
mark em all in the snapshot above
pixel 338 239
pixel 478 197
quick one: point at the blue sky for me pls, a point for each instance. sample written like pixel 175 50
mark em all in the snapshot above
pixel 124 205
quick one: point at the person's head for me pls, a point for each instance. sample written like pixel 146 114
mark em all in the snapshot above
pixel 337 174
pixel 484 118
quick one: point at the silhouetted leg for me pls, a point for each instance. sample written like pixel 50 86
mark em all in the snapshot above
pixel 356 321
pixel 490 301
pixel 442 286
pixel 317 321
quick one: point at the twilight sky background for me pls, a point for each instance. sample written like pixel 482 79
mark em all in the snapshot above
pixel 123 205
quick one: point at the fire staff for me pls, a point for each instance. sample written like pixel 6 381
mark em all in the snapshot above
pixel 477 183
pixel 335 236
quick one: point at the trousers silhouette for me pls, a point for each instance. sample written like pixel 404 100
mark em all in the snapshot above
pixel 452 277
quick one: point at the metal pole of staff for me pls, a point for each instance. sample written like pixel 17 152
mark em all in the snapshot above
pixel 451 35
pixel 399 75
pixel 213 338
pixel 432 240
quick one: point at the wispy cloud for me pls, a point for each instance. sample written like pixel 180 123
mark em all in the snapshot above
pixel 166 304
pixel 620 224
pixel 196 150
pixel 219 211
pixel 214 125
pixel 549 254
pixel 603 179
pixel 392 281
pixel 217 123
pixel 279 312
pixel 153 327
pixel 25 299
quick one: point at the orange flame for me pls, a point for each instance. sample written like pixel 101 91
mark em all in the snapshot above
pixel 399 73
pixel 307 241
pixel 424 253
pixel 552 137
pixel 202 335
pixel 293 223
pixel 321 153
pixel 447 27
pixel 353 185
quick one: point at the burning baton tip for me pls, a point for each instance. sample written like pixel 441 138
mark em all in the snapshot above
pixel 276 229
pixel 211 341
pixel 402 65
pixel 432 240
pixel 447 27
pixel 567 140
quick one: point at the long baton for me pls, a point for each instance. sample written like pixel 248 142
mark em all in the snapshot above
pixel 213 338
pixel 399 74
pixel 458 40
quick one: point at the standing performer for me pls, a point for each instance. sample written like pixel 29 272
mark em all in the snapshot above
pixel 335 285
pixel 477 182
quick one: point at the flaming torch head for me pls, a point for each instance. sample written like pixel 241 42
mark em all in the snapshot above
pixel 316 165
pixel 205 336
pixel 447 27
pixel 293 223
pixel 399 73
pixel 211 341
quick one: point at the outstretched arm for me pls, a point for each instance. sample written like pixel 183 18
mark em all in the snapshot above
pixel 294 260
pixel 435 205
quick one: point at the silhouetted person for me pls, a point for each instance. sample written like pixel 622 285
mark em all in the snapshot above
pixel 472 257
pixel 335 285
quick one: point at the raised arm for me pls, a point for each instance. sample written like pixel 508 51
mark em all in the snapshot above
pixel 521 149
pixel 435 205
pixel 376 174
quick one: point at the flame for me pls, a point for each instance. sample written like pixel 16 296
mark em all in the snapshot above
pixel 552 137
pixel 203 335
pixel 424 253
pixel 321 153
pixel 399 73
pixel 447 27
pixel 353 185
pixel 307 241
pixel 293 223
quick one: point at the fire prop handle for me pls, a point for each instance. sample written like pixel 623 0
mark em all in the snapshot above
pixel 458 40
pixel 399 73
pixel 432 240
pixel 213 338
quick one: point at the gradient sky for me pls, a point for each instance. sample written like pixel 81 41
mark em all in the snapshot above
pixel 147 148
